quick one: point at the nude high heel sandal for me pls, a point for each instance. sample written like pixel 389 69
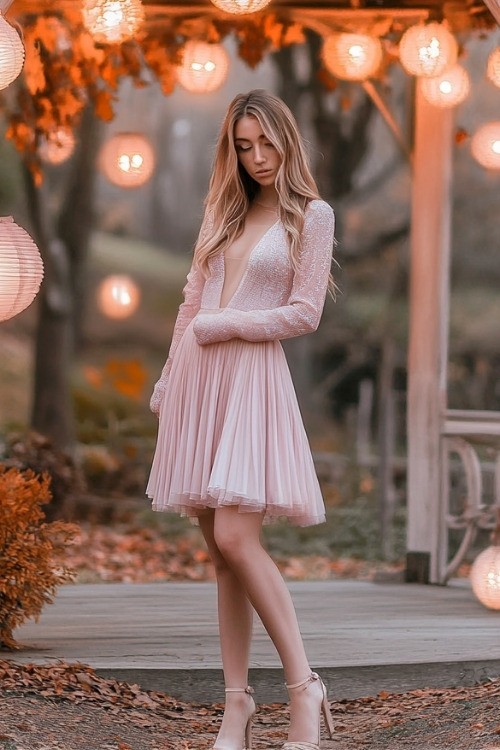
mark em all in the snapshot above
pixel 325 710
pixel 248 726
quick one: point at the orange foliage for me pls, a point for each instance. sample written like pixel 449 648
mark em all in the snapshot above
pixel 127 377
pixel 31 551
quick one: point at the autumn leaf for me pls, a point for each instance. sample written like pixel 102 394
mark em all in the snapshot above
pixel 103 107
pixel 33 68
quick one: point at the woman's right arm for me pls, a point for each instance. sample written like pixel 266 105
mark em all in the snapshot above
pixel 187 311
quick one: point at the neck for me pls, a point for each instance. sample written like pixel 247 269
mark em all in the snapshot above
pixel 267 199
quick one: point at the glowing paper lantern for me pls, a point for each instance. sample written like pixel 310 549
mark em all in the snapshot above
pixel 11 53
pixel 485 145
pixel 485 572
pixel 112 21
pixel 449 89
pixel 352 57
pixel 57 147
pixel 493 68
pixel 21 269
pixel 427 50
pixel 127 160
pixel 240 6
pixel 118 297
pixel 204 67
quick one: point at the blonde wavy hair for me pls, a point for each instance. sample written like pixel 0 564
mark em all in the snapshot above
pixel 231 189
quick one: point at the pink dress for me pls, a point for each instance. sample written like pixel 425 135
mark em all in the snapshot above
pixel 230 430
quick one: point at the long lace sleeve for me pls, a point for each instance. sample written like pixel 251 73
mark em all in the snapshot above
pixel 192 300
pixel 303 310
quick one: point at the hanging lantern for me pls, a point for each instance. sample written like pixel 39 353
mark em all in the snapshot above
pixel 112 21
pixel 21 269
pixel 118 297
pixel 427 50
pixel 204 67
pixel 493 68
pixel 449 89
pixel 352 57
pixel 57 146
pixel 485 572
pixel 485 145
pixel 11 53
pixel 127 160
pixel 239 7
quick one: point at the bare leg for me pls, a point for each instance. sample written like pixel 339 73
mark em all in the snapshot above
pixel 237 538
pixel 235 629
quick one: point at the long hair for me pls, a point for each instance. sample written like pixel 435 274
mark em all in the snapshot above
pixel 231 189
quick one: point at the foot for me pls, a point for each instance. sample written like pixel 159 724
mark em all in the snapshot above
pixel 238 711
pixel 305 711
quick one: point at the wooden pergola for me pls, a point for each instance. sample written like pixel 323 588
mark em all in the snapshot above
pixel 434 431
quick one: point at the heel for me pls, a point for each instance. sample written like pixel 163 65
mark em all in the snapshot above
pixel 325 710
pixel 248 726
pixel 248 733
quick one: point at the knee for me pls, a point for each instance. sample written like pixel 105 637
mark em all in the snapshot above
pixel 232 545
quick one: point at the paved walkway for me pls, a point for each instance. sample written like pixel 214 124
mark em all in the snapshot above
pixel 363 637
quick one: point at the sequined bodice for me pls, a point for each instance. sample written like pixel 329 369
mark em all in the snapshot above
pixel 272 301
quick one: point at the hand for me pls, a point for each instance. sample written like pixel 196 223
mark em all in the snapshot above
pixel 211 328
pixel 157 396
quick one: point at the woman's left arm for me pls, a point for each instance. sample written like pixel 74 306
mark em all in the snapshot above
pixel 303 310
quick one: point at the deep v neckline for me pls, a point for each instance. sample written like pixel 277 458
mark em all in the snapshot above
pixel 245 272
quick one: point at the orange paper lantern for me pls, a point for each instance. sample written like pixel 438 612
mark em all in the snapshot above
pixel 21 269
pixel 11 53
pixel 427 49
pixel 240 7
pixel 112 21
pixel 485 145
pixel 118 296
pixel 449 89
pixel 127 160
pixel 493 69
pixel 204 67
pixel 57 147
pixel 352 57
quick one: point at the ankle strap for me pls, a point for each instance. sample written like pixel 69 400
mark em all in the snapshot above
pixel 248 690
pixel 310 678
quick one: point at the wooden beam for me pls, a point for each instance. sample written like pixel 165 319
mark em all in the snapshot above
pixel 428 339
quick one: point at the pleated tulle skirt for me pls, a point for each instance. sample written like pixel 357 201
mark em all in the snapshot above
pixel 231 434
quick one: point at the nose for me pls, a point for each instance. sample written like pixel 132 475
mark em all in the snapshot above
pixel 259 156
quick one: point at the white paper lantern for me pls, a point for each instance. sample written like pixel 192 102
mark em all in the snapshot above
pixel 118 296
pixel 240 7
pixel 127 160
pixel 352 57
pixel 21 269
pixel 449 89
pixel 11 53
pixel 113 21
pixel 493 69
pixel 57 146
pixel 485 577
pixel 485 145
pixel 204 67
pixel 427 49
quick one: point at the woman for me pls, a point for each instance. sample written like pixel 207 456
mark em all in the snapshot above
pixel 231 446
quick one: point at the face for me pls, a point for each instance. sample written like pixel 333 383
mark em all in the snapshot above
pixel 256 153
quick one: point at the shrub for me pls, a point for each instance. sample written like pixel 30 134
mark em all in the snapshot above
pixel 31 550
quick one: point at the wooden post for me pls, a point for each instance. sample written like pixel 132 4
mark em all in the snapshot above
pixel 428 336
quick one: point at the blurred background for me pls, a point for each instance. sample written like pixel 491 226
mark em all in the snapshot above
pixel 99 437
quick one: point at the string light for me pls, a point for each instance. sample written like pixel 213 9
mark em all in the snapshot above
pixel 127 160
pixel 118 296
pixel 353 57
pixel 485 145
pixel 240 7
pixel 113 21
pixel 57 146
pixel 449 89
pixel 493 68
pixel 204 67
pixel 427 49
